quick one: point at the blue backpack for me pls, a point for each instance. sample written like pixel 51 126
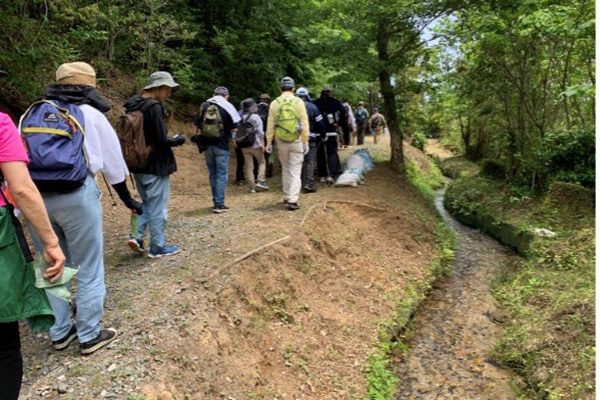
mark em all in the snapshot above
pixel 53 134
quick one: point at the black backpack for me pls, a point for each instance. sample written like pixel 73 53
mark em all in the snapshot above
pixel 246 133
pixel 263 112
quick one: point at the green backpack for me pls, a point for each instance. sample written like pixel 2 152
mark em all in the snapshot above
pixel 212 124
pixel 287 119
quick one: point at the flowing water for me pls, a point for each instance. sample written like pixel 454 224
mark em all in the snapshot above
pixel 454 330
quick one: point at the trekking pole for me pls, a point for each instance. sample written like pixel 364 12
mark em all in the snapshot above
pixel 114 203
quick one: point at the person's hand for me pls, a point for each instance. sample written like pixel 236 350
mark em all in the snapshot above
pixel 269 148
pixel 178 140
pixel 134 206
pixel 55 257
pixel 306 148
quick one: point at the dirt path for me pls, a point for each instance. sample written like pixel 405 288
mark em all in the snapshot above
pixel 435 149
pixel 298 320
pixel 454 330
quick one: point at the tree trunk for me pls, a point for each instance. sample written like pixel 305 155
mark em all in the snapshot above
pixel 389 99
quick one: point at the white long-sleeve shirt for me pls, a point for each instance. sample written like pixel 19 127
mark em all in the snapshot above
pixel 102 146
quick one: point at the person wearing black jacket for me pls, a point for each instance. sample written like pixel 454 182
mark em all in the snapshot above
pixel 315 137
pixel 334 115
pixel 152 181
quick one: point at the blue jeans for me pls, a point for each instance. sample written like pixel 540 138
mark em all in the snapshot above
pixel 76 218
pixel 217 161
pixel 154 191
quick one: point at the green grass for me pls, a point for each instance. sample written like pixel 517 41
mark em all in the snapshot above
pixel 381 382
pixel 426 181
pixel 458 166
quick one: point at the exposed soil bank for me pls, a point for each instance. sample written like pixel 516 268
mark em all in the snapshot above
pixel 298 320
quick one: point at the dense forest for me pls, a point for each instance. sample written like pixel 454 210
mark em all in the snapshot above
pixel 510 81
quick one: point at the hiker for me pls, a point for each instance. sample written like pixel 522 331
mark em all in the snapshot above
pixel 20 298
pixel 153 182
pixel 217 122
pixel 334 115
pixel 362 116
pixel 377 124
pixel 288 126
pixel 253 149
pixel 315 137
pixel 349 134
pixel 263 112
pixel 71 194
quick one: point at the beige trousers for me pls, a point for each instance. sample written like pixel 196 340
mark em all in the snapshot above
pixel 250 154
pixel 291 156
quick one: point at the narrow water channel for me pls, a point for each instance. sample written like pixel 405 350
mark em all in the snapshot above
pixel 454 330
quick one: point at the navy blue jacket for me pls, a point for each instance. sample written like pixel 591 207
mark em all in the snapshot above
pixel 315 120
pixel 331 107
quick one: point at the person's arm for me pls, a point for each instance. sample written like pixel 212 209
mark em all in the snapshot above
pixel 102 140
pixel 260 132
pixel 271 121
pixel 319 124
pixel 155 114
pixel 301 110
pixel 29 201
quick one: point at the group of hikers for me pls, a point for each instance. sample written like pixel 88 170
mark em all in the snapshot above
pixel 49 165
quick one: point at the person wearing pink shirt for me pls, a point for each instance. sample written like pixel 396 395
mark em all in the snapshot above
pixel 18 298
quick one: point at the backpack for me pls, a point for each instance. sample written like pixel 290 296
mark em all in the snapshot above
pixel 53 134
pixel 287 120
pixel 376 122
pixel 130 130
pixel 211 124
pixel 246 134
pixel 263 112
pixel 361 115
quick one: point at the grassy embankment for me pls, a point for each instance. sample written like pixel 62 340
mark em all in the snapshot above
pixel 426 177
pixel 547 298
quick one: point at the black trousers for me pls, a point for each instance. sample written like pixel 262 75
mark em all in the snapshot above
pixel 11 363
pixel 328 161
pixel 239 169
pixel 360 132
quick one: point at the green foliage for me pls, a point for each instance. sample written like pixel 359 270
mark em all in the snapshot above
pixel 569 156
pixel 418 140
pixel 493 169
pixel 427 181
pixel 511 81
pixel 381 383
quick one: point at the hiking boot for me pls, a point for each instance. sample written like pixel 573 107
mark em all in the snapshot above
pixel 220 209
pixel 323 179
pixel 310 189
pixel 293 206
pixel 262 185
pixel 136 245
pixel 165 251
pixel 63 343
pixel 105 337
pixel 330 181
